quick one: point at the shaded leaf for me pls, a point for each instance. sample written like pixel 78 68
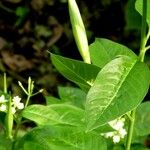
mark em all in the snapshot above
pixel 52 100
pixel 142 122
pixel 119 87
pixel 103 50
pixel 5 143
pixel 139 8
pixel 72 95
pixel 133 18
pixel 62 138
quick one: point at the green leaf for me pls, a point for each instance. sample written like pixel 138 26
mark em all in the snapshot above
pixel 142 122
pixel 54 114
pixel 82 74
pixel 5 143
pixel 72 95
pixel 52 100
pixel 62 138
pixel 139 8
pixel 119 87
pixel 40 114
pixel 69 114
pixel 22 11
pixel 103 50
pixel 35 146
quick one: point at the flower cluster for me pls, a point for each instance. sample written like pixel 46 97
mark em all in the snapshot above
pixel 118 126
pixel 16 104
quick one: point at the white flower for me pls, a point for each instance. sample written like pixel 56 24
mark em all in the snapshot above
pixel 116 138
pixel 117 123
pixel 2 99
pixel 120 132
pixel 16 102
pixel 109 134
pixel 3 107
pixel 13 110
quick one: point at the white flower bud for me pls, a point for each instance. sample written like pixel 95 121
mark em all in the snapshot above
pixel 79 31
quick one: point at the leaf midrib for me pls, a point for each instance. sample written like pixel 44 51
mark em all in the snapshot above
pixel 119 86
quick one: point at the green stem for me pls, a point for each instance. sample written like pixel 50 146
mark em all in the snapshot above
pixel 17 127
pixel 9 121
pixel 144 39
pixel 27 101
pixel 5 83
pixel 130 130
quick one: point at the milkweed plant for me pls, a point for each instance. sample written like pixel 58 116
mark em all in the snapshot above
pixel 105 112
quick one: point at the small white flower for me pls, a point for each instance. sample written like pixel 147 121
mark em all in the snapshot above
pixel 16 102
pixel 117 123
pixel 13 110
pixel 119 132
pixel 20 106
pixel 116 138
pixel 3 107
pixel 109 134
pixel 2 99
pixel 122 133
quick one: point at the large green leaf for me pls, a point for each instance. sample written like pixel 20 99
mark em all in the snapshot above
pixel 55 114
pixel 103 50
pixel 81 73
pixel 142 122
pixel 139 8
pixel 119 87
pixel 72 95
pixel 61 138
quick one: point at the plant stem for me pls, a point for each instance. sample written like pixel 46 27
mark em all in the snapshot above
pixel 130 130
pixel 9 121
pixel 5 83
pixel 27 101
pixel 143 32
pixel 144 40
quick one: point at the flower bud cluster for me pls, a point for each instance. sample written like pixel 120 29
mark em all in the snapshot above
pixel 118 126
pixel 16 104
